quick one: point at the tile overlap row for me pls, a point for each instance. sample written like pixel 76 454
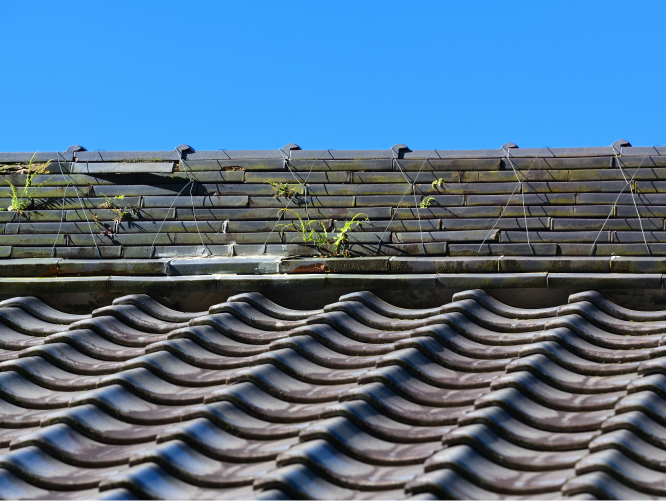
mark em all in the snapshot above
pixel 358 400
pixel 435 203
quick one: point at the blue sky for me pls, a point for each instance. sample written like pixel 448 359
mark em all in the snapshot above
pixel 145 75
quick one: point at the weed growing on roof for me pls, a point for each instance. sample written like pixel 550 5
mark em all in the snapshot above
pixel 22 200
pixel 283 190
pixel 427 202
pixel 305 231
pixel 340 241
pixel 335 246
pixel 121 213
pixel 438 183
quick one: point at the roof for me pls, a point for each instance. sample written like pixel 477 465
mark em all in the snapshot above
pixel 102 222
pixel 510 201
pixel 361 399
pixel 166 331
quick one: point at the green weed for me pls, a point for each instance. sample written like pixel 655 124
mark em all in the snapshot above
pixel 327 246
pixel 283 190
pixel 22 199
pixel 340 241
pixel 305 231
pixel 121 213
pixel 427 202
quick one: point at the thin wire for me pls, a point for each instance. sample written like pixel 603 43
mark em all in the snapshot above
pixel 497 221
pixel 291 199
pixel 418 213
pixel 509 201
pixel 379 244
pixel 628 183
pixel 302 185
pixel 414 187
pixel 190 182
pixel 62 213
pixel 194 215
pixel 286 159
pixel 416 205
pixel 99 253
pixel 522 192
pixel 631 189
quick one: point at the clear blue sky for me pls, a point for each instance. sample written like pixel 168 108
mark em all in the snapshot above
pixel 141 75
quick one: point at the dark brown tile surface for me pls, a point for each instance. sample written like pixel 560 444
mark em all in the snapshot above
pixel 360 400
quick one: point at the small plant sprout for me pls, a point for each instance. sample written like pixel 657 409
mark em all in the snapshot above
pixel 438 183
pixel 121 213
pixel 283 190
pixel 22 200
pixel 427 202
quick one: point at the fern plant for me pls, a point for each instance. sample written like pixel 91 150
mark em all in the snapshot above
pixel 335 246
pixel 305 231
pixel 321 240
pixel 22 200
pixel 340 240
